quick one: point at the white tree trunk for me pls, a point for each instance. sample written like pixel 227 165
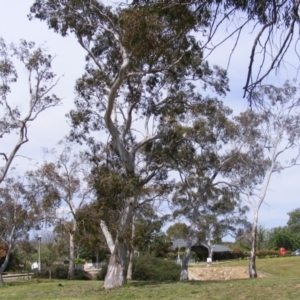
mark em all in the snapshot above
pixel 116 271
pixel 210 248
pixel 252 265
pixel 130 264
pixel 189 243
pixel 131 252
pixel 72 256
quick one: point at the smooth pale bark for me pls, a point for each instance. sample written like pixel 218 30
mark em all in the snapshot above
pixel 210 248
pixel 116 271
pixel 252 265
pixel 187 252
pixel 130 264
pixel 131 252
pixel 109 239
pixel 72 256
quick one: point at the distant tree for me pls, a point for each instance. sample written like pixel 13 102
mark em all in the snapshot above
pixel 178 231
pixel 70 180
pixel 205 158
pixel 283 237
pixel 263 238
pixel 294 221
pixel 270 134
pixel 18 215
pixel 17 114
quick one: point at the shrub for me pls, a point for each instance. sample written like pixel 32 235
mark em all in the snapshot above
pixel 266 253
pixel 79 261
pixel 60 272
pixel 101 274
pixel 82 275
pixel 150 268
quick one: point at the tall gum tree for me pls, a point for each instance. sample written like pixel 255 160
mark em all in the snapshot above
pixel 204 161
pixel 17 114
pixel 273 139
pixel 141 65
pixel 69 179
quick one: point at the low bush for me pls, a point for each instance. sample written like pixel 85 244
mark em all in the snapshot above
pixel 150 268
pixel 60 272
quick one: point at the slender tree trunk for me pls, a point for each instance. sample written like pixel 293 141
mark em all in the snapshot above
pixel 131 252
pixel 210 248
pixel 130 264
pixel 252 265
pixel 189 244
pixel 72 255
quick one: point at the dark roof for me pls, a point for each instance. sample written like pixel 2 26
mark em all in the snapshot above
pixel 218 248
pixel 182 243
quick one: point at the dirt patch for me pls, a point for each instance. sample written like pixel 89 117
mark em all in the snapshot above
pixel 220 273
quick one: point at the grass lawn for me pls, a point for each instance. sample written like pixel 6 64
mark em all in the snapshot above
pixel 284 283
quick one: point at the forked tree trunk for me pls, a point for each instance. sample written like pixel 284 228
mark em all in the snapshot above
pixel 252 265
pixel 116 271
pixel 72 256
pixel 189 243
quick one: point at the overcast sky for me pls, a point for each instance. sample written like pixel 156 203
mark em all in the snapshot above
pixel 283 194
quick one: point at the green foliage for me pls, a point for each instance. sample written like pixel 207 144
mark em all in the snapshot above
pixel 79 261
pixel 283 237
pixel 294 221
pixel 178 231
pixel 60 272
pixel 150 268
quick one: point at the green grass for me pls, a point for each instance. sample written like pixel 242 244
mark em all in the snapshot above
pixel 283 283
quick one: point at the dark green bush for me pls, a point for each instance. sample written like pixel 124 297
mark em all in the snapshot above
pixel 61 272
pixel 101 274
pixel 266 253
pixel 150 268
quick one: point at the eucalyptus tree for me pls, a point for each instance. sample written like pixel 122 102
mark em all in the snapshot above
pixel 178 231
pixel 272 137
pixel 18 215
pixel 70 180
pixel 206 158
pixel 141 65
pixel 18 113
